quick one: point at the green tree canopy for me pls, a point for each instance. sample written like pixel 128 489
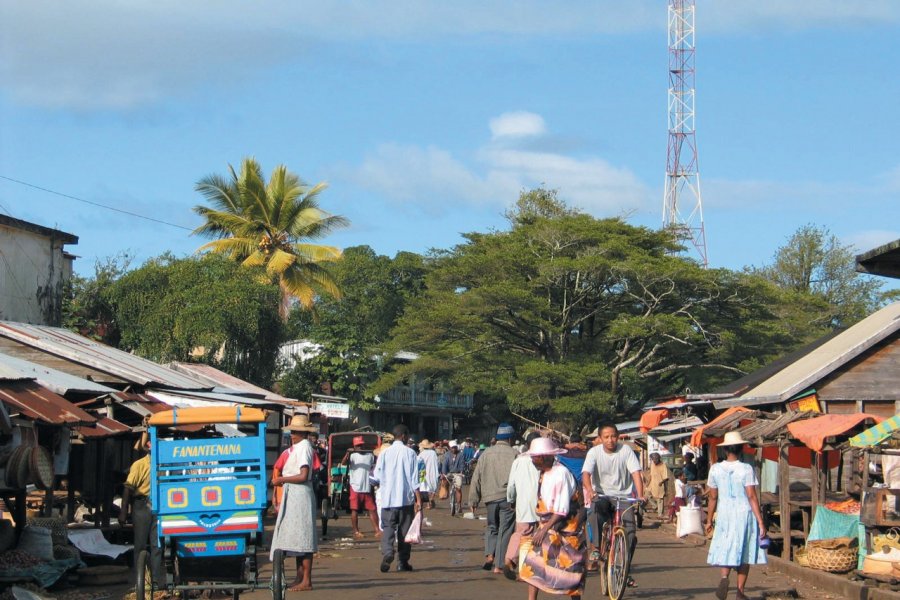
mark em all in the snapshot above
pixel 566 315
pixel 204 309
pixel 352 330
pixel 814 264
pixel 269 225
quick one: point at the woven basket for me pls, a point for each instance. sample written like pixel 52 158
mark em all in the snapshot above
pixel 833 560
pixel 800 557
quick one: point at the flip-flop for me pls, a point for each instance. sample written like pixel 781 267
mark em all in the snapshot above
pixel 722 589
pixel 630 582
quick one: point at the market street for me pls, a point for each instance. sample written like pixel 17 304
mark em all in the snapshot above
pixel 448 565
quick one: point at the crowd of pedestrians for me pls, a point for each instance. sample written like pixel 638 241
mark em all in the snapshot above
pixel 545 503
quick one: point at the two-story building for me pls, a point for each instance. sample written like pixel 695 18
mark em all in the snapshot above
pixel 431 409
pixel 34 267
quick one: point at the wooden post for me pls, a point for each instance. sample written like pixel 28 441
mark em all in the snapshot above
pixel 70 502
pixel 784 499
pixel 840 473
pixel 814 480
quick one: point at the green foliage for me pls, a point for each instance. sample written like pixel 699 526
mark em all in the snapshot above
pixel 86 308
pixel 268 224
pixel 205 309
pixel 351 330
pixel 567 316
pixel 814 267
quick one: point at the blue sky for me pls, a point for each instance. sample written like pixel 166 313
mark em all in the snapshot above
pixel 427 118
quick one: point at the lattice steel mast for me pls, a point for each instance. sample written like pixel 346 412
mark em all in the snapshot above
pixel 682 205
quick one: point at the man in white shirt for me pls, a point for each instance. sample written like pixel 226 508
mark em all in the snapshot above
pixel 361 496
pixel 611 469
pixel 397 473
pixel 522 495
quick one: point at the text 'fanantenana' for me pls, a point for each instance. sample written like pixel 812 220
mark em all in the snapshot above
pixel 207 450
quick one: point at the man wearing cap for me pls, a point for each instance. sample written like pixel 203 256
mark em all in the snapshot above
pixel 137 495
pixel 489 485
pixel 360 467
pixel 397 474
pixel 452 468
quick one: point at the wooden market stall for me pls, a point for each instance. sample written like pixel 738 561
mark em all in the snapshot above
pixel 880 513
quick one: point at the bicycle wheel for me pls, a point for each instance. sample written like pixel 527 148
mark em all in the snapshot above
pixel 278 582
pixel 617 569
pixel 603 551
pixel 453 505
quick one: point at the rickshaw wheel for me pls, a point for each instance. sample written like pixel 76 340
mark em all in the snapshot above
pixel 326 513
pixel 144 583
pixel 278 575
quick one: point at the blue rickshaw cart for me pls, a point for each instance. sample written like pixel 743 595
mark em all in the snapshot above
pixel 208 492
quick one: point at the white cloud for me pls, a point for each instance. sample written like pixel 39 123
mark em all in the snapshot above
pixel 517 124
pixel 108 54
pixel 431 178
pixel 866 240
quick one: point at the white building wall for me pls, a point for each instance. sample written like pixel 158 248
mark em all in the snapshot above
pixel 32 272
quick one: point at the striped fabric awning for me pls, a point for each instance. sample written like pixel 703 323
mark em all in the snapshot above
pixel 875 435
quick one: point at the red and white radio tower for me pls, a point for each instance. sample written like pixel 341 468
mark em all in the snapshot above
pixel 682 207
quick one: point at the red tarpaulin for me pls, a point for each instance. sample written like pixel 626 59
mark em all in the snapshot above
pixel 813 432
pixel 652 418
pixel 697 436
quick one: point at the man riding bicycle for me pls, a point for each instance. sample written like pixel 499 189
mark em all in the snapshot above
pixel 611 469
pixel 453 465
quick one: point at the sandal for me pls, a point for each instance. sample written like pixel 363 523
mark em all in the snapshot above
pixel 630 582
pixel 722 589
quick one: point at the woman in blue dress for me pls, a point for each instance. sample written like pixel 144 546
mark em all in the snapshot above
pixel 739 524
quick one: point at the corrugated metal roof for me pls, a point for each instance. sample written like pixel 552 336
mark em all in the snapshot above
pixel 105 427
pixel 820 362
pixel 8 373
pixel 77 348
pixel 55 381
pixel 176 397
pixel 220 379
pixel 676 424
pixel 33 401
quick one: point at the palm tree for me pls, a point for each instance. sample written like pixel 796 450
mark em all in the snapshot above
pixel 267 225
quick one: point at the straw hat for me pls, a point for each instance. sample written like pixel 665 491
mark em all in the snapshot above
pixel 425 444
pixel 301 423
pixel 544 447
pixel 733 438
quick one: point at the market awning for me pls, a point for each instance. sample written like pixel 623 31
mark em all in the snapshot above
pixel 877 434
pixel 36 402
pixel 652 418
pixel 697 436
pixel 813 432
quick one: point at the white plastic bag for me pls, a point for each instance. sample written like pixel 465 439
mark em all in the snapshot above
pixel 414 535
pixel 690 521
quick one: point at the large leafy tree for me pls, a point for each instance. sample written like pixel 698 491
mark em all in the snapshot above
pixel 200 309
pixel 813 266
pixel 269 224
pixel 567 316
pixel 352 330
